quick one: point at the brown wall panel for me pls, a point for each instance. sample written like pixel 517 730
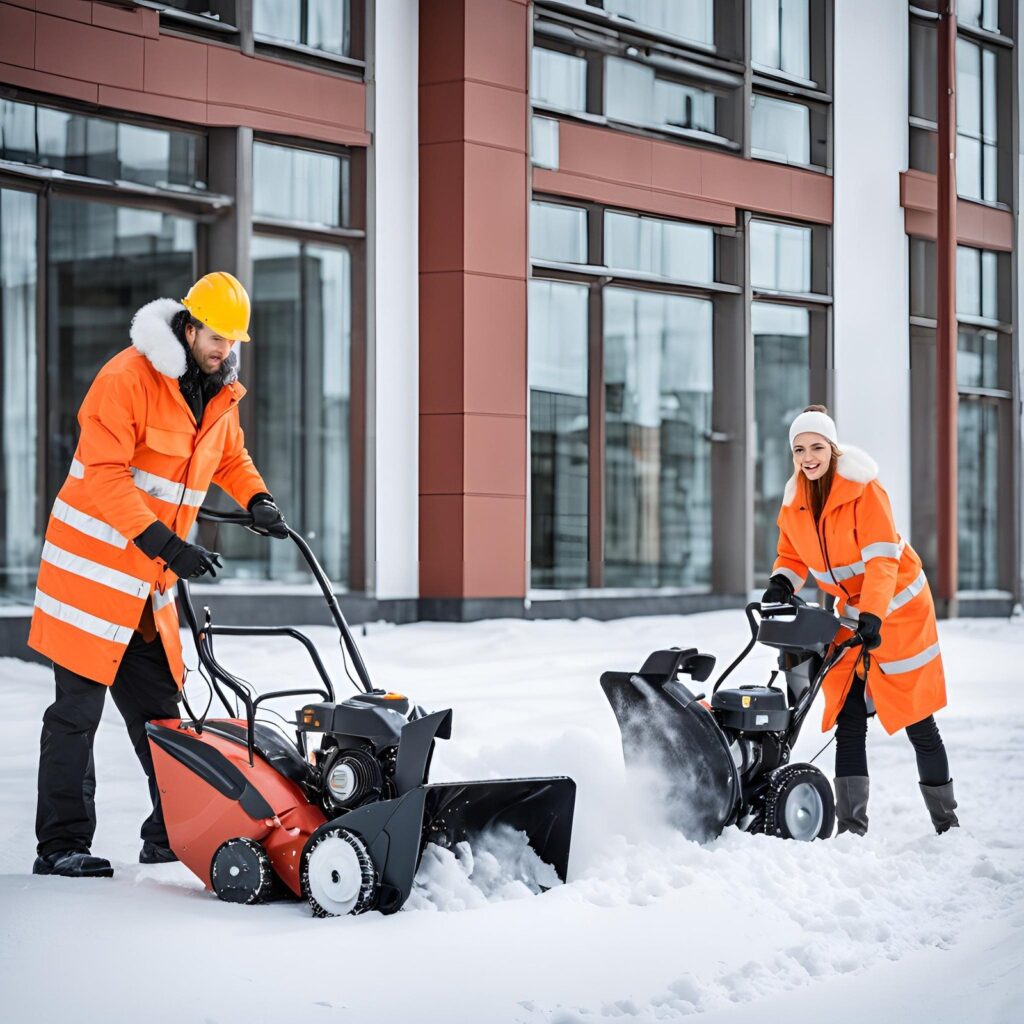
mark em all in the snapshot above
pixel 495 116
pixel 442 41
pixel 28 78
pixel 495 217
pixel 17 36
pixel 496 32
pixel 494 455
pixel 141 21
pixel 978 224
pixel 441 112
pixel 441 333
pixel 442 455
pixel 77 10
pixel 175 67
pixel 494 549
pixel 494 375
pixel 88 53
pixel 442 245
pixel 441 552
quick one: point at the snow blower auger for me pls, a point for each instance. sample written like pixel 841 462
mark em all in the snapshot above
pixel 726 761
pixel 342 822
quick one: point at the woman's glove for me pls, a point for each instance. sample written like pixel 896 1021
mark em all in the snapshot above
pixel 186 561
pixel 779 590
pixel 266 516
pixel 869 629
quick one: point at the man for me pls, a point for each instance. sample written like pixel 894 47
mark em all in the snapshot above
pixel 157 426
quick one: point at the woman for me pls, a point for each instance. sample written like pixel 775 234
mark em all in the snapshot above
pixel 836 523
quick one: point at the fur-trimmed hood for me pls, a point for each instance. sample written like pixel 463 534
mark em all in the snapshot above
pixel 152 336
pixel 854 465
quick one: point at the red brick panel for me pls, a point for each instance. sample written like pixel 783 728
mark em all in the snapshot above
pixel 175 67
pixel 496 32
pixel 494 375
pixel 88 53
pixel 17 36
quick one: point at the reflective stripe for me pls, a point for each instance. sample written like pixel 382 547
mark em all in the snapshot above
pixel 797 581
pixel 164 599
pixel 91 570
pixel 909 592
pixel 83 620
pixel 851 612
pixel 77 470
pixel 883 549
pixel 839 572
pixel 166 490
pixel 892 668
pixel 87 524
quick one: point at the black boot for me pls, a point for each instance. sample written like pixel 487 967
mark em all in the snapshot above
pixel 72 864
pixel 151 853
pixel 941 806
pixel 852 804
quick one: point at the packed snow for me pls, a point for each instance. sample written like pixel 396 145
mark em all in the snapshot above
pixel 902 925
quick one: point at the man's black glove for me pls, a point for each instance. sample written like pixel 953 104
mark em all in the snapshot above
pixel 869 629
pixel 186 561
pixel 266 516
pixel 779 590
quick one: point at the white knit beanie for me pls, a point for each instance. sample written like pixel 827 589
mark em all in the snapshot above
pixel 814 423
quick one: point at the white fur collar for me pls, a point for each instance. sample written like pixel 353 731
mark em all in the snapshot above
pixel 151 334
pixel 854 465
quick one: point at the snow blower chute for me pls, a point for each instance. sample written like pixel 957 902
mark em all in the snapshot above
pixel 342 822
pixel 726 761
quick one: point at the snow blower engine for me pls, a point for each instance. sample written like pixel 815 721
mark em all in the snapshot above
pixel 726 761
pixel 340 814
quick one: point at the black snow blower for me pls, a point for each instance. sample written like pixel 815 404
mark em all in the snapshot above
pixel 726 762
pixel 338 813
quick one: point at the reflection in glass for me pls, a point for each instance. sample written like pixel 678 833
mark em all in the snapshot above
pixel 19 513
pixel 923 65
pixel 978 488
pixel 558 80
pixel 977 359
pixel 781 130
pixel 658 384
pixel 634 94
pixel 105 262
pixel 559 422
pixel 664 248
pixel 977 126
pixel 300 185
pixel 558 233
pixel 780 35
pixel 780 256
pixel 782 389
pixel 977 282
pixel 544 142
pixel 318 24
pixel 980 13
pixel 693 19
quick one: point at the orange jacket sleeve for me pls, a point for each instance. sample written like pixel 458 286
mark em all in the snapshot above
pixel 788 562
pixel 879 549
pixel 111 420
pixel 236 473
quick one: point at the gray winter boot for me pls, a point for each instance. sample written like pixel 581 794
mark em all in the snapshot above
pixel 852 804
pixel 941 805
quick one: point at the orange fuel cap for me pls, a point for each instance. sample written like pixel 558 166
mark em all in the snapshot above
pixel 394 696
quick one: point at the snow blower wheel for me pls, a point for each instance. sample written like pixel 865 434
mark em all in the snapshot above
pixel 240 872
pixel 338 877
pixel 799 804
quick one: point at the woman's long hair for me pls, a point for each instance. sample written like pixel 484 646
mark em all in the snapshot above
pixel 818 490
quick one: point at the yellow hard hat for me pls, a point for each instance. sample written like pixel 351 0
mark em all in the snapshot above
pixel 220 302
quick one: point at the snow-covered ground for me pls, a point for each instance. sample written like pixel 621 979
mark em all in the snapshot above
pixel 901 926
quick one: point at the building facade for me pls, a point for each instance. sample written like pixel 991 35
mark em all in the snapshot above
pixel 537 286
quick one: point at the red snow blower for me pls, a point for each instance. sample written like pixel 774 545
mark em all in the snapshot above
pixel 340 814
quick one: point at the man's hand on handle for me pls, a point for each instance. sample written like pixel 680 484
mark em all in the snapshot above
pixel 266 516
pixel 778 591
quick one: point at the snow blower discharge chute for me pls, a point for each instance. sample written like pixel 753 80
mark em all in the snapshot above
pixel 726 761
pixel 342 823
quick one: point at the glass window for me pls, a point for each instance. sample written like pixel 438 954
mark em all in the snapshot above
pixel 544 142
pixel 19 513
pixel 634 94
pixel 980 13
pixel 215 10
pixel 694 19
pixel 780 256
pixel 97 147
pixel 781 130
pixel 558 233
pixel 668 249
pixel 782 389
pixel 558 80
pixel 105 262
pixel 658 385
pixel 977 282
pixel 923 69
pixel 318 24
pixel 978 480
pixel 976 121
pixel 977 359
pixel 780 36
pixel 559 423
pixel 300 185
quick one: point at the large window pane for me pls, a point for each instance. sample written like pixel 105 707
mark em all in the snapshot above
pixel 634 94
pixel 977 121
pixel 780 35
pixel 300 185
pixel 977 283
pixel 977 359
pixel 923 69
pixel 780 256
pixel 692 19
pixel 664 248
pixel 319 24
pixel 558 80
pixel 781 130
pixel 658 385
pixel 105 261
pixel 782 389
pixel 19 536
pixel 978 493
pixel 558 434
pixel 97 147
pixel 980 13
pixel 558 233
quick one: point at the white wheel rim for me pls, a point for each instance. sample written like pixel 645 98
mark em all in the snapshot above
pixel 804 812
pixel 335 875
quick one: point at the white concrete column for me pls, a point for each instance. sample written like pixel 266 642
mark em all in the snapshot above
pixel 871 285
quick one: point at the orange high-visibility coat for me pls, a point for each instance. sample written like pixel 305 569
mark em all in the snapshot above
pixel 855 553
pixel 139 458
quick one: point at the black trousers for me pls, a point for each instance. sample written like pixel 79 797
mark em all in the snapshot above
pixel 143 689
pixel 852 734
